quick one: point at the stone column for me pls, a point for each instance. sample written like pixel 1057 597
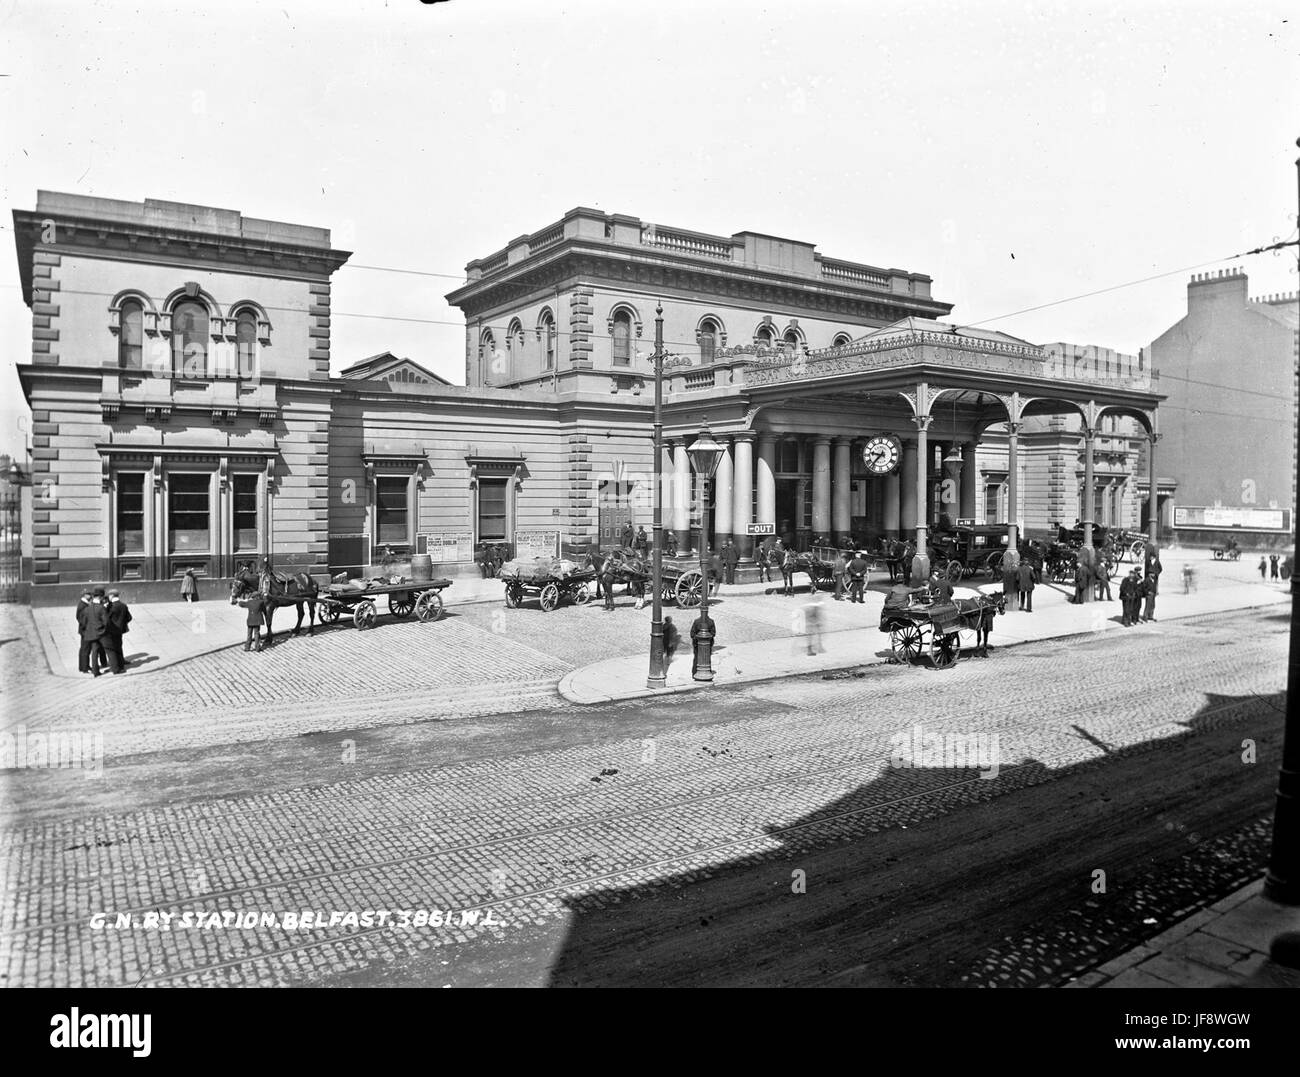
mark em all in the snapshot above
pixel 682 496
pixel 667 481
pixel 722 497
pixel 841 509
pixel 800 511
pixel 821 508
pixel 742 504
pixel 891 505
pixel 766 479
pixel 1153 515
pixel 922 481
pixel 908 484
pixel 969 481
pixel 1013 485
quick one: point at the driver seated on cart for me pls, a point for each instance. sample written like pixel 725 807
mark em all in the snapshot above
pixel 900 596
pixel 940 588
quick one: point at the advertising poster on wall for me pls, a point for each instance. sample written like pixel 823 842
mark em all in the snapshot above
pixel 533 544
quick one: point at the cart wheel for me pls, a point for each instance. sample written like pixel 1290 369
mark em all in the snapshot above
pixel 944 649
pixel 428 607
pixel 550 597
pixel 954 571
pixel 689 590
pixel 513 596
pixel 993 564
pixel 330 614
pixel 905 642
pixel 365 614
pixel 582 595
pixel 1138 551
pixel 400 603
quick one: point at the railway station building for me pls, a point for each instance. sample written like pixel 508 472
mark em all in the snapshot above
pixel 186 415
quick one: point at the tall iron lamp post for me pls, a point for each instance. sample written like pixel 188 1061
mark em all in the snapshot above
pixel 658 674
pixel 1282 883
pixel 705 455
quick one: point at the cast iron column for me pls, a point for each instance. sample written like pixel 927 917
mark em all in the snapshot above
pixel 658 675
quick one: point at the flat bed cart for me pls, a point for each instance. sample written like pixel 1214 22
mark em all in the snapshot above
pixel 1230 552
pixel 421 597
pixel 685 586
pixel 577 588
pixel 935 629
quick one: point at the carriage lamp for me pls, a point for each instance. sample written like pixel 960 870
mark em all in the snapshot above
pixel 705 454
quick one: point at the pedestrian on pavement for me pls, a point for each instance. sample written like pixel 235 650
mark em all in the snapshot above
pixel 698 627
pixel 1189 578
pixel 838 567
pixel 1150 588
pixel 84 649
pixel 715 572
pixel 812 623
pixel 1128 598
pixel 1081 583
pixel 642 541
pixel 119 618
pixel 628 535
pixel 255 604
pixel 857 570
pixel 1025 586
pixel 1010 574
pixel 95 619
pixel 189 586
pixel 670 543
pixel 762 558
pixel 671 639
pixel 1272 566
pixel 1263 567
pixel 730 559
pixel 909 552
pixel 1103 580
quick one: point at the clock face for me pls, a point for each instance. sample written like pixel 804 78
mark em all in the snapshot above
pixel 882 453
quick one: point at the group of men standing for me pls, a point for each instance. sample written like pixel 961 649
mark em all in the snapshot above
pixel 102 621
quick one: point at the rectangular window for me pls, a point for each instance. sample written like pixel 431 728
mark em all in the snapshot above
pixel 1098 503
pixel 189 512
pixel 991 492
pixel 390 509
pixel 492 510
pixel 245 511
pixel 130 512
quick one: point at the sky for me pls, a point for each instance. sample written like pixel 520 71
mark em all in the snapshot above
pixel 1021 154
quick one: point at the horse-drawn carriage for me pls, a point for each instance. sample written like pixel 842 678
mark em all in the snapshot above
pixel 964 551
pixel 1114 546
pixel 359 600
pixel 682 583
pixel 551 582
pixel 1229 551
pixel 924 627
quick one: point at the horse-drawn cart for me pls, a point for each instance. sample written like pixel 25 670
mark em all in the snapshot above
pixel 935 628
pixel 682 583
pixel 1230 551
pixel 549 587
pixel 421 597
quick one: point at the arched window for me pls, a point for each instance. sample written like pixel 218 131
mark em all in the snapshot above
pixel 487 346
pixel 841 339
pixel 765 337
pixel 130 340
pixel 622 338
pixel 708 340
pixel 791 342
pixel 190 339
pixel 546 325
pixel 246 343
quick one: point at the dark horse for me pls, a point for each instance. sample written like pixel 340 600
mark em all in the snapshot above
pixel 278 589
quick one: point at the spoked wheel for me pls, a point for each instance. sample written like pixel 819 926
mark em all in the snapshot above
pixel 1138 551
pixel 365 615
pixel 400 604
pixel 689 590
pixel 581 595
pixel 905 642
pixel 428 607
pixel 955 571
pixel 513 596
pixel 993 564
pixel 944 649
pixel 550 597
pixel 330 614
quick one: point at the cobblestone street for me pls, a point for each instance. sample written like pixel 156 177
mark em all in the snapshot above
pixel 558 820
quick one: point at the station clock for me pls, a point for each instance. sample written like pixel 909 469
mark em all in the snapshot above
pixel 882 453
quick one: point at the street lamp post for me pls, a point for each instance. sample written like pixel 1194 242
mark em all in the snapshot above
pixel 704 454
pixel 1282 884
pixel 658 674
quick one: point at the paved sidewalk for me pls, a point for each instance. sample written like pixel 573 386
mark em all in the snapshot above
pixel 624 677
pixel 164 633
pixel 1225 945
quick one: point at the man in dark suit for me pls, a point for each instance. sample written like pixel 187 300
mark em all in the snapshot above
pixel 627 535
pixel 95 620
pixel 119 618
pixel 730 559
pixel 857 573
pixel 940 588
pixel 83 651
pixel 1128 598
pixel 1025 585
pixel 1150 588
pixel 254 603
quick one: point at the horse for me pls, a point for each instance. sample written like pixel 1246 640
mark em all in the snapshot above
pixel 278 590
pixel 978 613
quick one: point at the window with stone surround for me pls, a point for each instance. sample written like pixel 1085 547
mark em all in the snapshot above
pixel 130 512
pixel 190 339
pixel 189 512
pixel 622 338
pixel 708 337
pixel 492 515
pixel 130 340
pixel 546 328
pixel 391 509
